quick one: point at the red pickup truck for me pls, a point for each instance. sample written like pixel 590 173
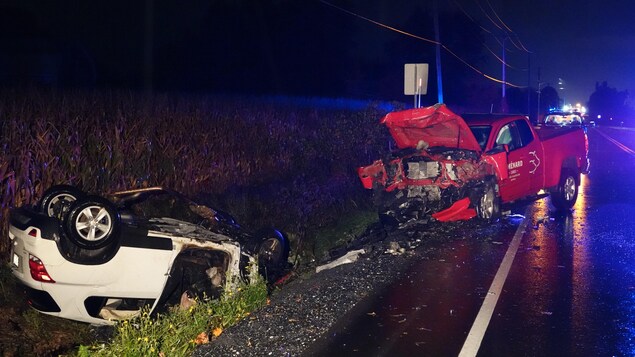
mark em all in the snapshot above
pixel 454 168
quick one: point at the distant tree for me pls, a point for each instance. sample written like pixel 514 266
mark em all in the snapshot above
pixel 610 103
pixel 517 100
pixel 549 99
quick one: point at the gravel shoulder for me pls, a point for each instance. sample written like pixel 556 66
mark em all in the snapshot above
pixel 304 310
pixel 307 308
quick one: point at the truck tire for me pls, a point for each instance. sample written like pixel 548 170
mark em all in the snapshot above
pixel 488 207
pixel 563 197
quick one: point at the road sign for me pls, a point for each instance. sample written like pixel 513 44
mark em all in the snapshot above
pixel 415 79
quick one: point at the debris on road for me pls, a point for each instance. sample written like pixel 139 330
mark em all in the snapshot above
pixel 349 257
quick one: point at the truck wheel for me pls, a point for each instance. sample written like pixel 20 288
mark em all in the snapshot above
pixel 57 200
pixel 563 197
pixel 488 207
pixel 92 223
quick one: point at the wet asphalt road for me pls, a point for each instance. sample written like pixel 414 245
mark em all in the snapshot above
pixel 569 291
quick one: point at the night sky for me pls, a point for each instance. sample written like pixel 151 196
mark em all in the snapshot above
pixel 581 42
pixel 311 48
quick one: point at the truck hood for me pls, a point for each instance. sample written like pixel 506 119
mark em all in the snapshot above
pixel 435 125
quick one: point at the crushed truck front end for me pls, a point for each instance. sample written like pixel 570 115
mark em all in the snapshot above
pixel 437 173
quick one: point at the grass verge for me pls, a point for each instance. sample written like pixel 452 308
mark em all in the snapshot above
pixel 179 331
pixel 340 234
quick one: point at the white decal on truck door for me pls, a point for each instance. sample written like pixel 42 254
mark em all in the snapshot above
pixel 535 162
pixel 514 165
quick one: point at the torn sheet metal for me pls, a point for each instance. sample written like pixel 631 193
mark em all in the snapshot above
pixel 347 258
pixel 460 210
pixel 435 125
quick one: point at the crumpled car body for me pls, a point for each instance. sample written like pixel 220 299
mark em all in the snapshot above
pixel 437 171
pixel 97 260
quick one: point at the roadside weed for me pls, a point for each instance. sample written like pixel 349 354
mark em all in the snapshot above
pixel 179 331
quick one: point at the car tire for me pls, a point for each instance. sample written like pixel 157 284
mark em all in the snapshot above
pixel 563 197
pixel 92 223
pixel 488 205
pixel 272 252
pixel 58 199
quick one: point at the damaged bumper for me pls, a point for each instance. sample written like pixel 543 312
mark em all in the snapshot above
pixel 420 185
pixel 459 211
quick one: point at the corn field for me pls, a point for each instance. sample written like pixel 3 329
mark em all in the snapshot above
pixel 266 163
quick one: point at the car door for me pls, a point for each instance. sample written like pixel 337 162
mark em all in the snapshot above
pixel 517 184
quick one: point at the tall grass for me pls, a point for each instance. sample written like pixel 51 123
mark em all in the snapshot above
pixel 181 330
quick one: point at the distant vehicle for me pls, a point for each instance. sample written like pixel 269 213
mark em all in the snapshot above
pixel 563 119
pixel 92 259
pixel 451 168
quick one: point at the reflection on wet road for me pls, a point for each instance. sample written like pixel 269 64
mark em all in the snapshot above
pixel 570 290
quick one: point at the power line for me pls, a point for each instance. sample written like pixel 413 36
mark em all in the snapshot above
pixel 506 30
pixel 498 17
pixel 521 44
pixel 380 24
pixel 496 38
pixel 470 17
pixel 501 60
pixel 486 15
pixel 422 39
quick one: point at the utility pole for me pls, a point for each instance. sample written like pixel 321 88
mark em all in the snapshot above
pixel 504 84
pixel 437 38
pixel 529 86
pixel 538 109
pixel 504 69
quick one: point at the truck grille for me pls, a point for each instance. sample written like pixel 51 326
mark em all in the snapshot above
pixel 423 170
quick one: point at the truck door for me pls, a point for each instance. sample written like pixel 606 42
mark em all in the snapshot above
pixel 535 155
pixel 517 184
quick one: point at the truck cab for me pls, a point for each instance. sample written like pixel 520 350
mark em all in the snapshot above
pixel 510 145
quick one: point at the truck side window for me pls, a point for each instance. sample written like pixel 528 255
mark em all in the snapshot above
pixel 524 131
pixel 508 135
pixel 504 136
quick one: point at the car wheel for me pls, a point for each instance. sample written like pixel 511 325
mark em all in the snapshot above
pixel 92 222
pixel 566 193
pixel 273 252
pixel 58 199
pixel 488 207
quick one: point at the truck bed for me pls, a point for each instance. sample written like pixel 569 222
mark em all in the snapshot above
pixel 549 132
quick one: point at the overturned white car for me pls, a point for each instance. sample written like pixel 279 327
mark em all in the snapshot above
pixel 93 259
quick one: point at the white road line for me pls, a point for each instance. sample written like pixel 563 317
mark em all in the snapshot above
pixel 618 144
pixel 475 336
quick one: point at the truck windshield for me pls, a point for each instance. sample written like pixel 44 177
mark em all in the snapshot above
pixel 481 133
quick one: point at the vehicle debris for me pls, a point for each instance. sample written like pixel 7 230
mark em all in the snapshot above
pixel 395 249
pixel 348 258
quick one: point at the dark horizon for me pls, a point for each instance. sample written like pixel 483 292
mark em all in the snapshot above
pixel 325 49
